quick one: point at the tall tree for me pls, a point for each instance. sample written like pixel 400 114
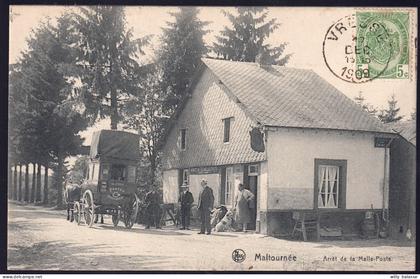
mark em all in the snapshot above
pixel 46 190
pixel 107 59
pixel 26 196
pixel 391 114
pixel 145 113
pixel 179 57
pixel 20 198
pixel 360 100
pixel 247 39
pixel 50 86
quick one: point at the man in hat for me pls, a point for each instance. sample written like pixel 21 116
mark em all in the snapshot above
pixel 152 209
pixel 205 205
pixel 186 200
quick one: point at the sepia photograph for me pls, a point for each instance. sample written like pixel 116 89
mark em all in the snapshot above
pixel 211 139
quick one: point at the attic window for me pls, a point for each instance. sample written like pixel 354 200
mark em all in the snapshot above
pixel 183 134
pixel 226 130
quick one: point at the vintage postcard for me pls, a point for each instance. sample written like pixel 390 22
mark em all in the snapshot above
pixel 148 138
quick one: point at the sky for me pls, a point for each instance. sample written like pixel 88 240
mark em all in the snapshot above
pixel 302 28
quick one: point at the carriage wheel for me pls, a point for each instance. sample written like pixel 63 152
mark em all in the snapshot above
pixel 130 211
pixel 116 219
pixel 89 208
pixel 77 213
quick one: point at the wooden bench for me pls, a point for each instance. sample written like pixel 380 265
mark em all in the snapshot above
pixel 306 222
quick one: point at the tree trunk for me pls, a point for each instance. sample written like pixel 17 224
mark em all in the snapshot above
pixel 60 179
pixel 114 101
pixel 114 111
pixel 26 196
pixel 9 181
pixel 15 183
pixel 46 184
pixel 20 183
pixel 33 182
pixel 152 160
pixel 38 183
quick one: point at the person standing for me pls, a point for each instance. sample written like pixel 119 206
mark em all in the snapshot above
pixel 152 209
pixel 242 206
pixel 186 200
pixel 205 205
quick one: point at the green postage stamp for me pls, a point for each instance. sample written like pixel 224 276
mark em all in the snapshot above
pixel 384 39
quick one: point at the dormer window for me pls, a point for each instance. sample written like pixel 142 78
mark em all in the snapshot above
pixel 226 129
pixel 183 143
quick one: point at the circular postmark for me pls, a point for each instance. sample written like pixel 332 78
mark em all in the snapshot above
pixel 364 46
pixel 238 255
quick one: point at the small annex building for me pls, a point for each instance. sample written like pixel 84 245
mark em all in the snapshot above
pixel 402 185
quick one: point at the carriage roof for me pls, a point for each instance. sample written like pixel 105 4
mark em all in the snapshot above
pixel 117 145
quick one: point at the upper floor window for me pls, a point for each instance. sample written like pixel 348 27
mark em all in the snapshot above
pixel 226 130
pixel 183 136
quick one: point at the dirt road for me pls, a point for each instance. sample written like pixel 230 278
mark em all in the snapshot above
pixel 41 239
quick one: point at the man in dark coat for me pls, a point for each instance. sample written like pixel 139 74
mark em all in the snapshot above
pixel 152 209
pixel 205 206
pixel 186 200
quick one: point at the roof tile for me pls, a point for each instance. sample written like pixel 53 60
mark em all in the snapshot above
pixel 289 97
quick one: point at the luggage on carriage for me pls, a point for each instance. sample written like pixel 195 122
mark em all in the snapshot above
pixel 110 183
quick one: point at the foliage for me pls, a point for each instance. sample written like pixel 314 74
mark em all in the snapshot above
pixel 360 100
pixel 390 114
pixel 180 53
pixel 78 171
pixel 107 60
pixel 246 40
pixel 164 86
pixel 414 115
pixel 47 121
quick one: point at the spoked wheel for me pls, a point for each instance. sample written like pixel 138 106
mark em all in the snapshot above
pixel 116 219
pixel 89 208
pixel 77 212
pixel 130 211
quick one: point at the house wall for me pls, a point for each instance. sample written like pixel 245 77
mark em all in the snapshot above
pixel 291 154
pixel 402 189
pixel 202 117
pixel 170 186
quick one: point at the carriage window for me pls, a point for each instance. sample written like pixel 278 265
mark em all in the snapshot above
pixel 118 172
pixel 93 171
pixel 105 172
pixel 87 172
pixel 131 177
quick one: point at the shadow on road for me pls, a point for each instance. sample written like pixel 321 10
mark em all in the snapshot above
pixel 138 230
pixel 52 255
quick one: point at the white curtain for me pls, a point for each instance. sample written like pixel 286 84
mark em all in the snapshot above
pixel 332 175
pixel 328 186
pixel 321 186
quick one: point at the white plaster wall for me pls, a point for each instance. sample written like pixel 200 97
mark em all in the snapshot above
pixel 263 187
pixel 170 186
pixel 291 154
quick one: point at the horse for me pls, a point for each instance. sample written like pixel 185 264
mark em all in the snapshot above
pixel 72 193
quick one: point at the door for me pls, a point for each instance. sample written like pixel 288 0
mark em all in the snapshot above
pixel 251 183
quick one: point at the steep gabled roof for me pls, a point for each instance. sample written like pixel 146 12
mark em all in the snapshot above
pixel 288 97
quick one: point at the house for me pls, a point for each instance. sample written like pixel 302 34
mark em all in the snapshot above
pixel 402 185
pixel 315 149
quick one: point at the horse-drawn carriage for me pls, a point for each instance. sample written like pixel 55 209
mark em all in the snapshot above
pixel 110 183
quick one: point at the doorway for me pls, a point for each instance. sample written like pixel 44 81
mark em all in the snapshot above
pixel 251 183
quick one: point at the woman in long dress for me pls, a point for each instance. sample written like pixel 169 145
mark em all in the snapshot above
pixel 242 209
